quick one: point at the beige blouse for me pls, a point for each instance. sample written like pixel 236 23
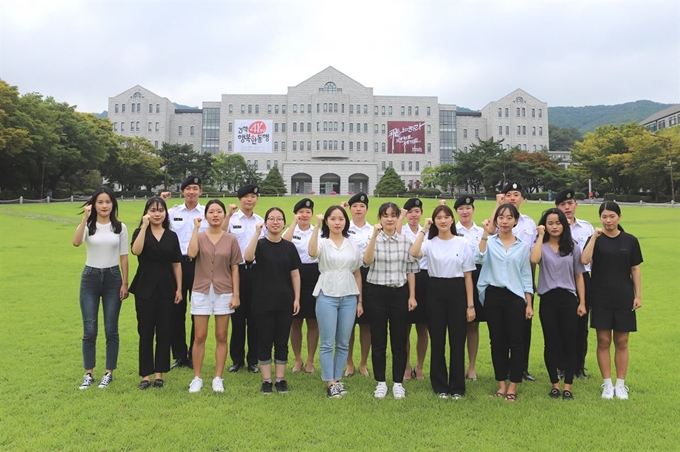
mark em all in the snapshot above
pixel 214 261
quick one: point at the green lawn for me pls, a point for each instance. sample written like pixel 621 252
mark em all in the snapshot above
pixel 40 369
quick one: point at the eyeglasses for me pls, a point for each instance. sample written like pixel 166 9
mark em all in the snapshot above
pixel 276 220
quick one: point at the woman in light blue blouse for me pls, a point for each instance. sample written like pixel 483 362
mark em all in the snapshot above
pixel 505 289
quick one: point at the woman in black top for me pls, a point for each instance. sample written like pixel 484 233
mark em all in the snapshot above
pixel 276 296
pixel 156 285
pixel 615 293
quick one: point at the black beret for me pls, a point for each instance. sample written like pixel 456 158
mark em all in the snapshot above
pixel 191 180
pixel 564 195
pixel 512 186
pixel 246 189
pixel 413 202
pixel 304 203
pixel 466 200
pixel 359 197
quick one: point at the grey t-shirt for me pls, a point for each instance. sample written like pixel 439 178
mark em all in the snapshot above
pixel 558 272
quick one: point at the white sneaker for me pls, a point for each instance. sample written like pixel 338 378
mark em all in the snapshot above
pixel 380 390
pixel 621 392
pixel 341 388
pixel 218 384
pixel 608 391
pixel 106 380
pixel 88 380
pixel 443 395
pixel 398 391
pixel 196 385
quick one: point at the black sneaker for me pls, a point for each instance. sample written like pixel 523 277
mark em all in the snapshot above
pixel 88 380
pixel 282 387
pixel 266 387
pixel 106 380
pixel 253 369
pixel 333 392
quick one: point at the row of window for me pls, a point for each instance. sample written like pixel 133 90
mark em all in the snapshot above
pixel 328 107
pixel 329 126
pixel 520 112
pixel 521 130
pixel 136 108
pixel 329 145
pixel 521 146
pixel 661 123
pixel 385 164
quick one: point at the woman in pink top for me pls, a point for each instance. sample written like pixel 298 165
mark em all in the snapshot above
pixel 215 291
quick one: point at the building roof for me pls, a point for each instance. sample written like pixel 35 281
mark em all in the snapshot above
pixel 662 114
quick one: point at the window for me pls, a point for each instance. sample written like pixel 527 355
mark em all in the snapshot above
pixel 342 145
pixel 534 148
pixel 309 108
pixel 533 131
pixel 330 87
pixel 276 146
pixel 429 147
pixel 309 127
pixel 351 109
pixel 269 164
pixel 382 110
pixel 231 127
pixel 383 129
pixel 342 108
pixel 518 112
pixel 294 108
pixel 428 111
pixel 302 145
pixel 351 127
pixel 358 146
pixel 295 127
pixel 250 109
pixel 325 107
pixel 429 164
pixel 257 109
pixel 500 112
pixel 409 110
pixel 132 108
pixel 325 126
pixel 540 112
pixel 390 164
pixel 276 109
pixel 115 109
pixel 383 147
pixel 417 165
pixel 302 127
pixel 410 166
pixel 309 145
pixel 351 145
pixel 122 127
pixel 302 108
pixel 229 146
pixel 417 111
pixel 465 148
pixel 335 107
pixel 149 127
pixel 389 111
pixel 283 109
pixel 540 129
pixel 375 128
pixel 276 163
pixel 403 110
pixel 533 112
pixel 524 147
pixel 342 126
pixel 523 112
pixel 283 146
pixel 115 126
pixel 156 127
pixel 122 108
pixel 132 126
pixel 325 145
pixel 464 133
pixel 283 127
pixel 150 108
pixel 335 145
pixel 294 144
pixel 180 130
pixel 318 126
pixel 155 143
pixel 276 127
pixel 519 130
pixel 524 130
pixel 243 109
pixel 139 108
pixel 500 130
pixel 375 146
pixel 255 164
pixel 506 112
pixel 384 165
pixel 476 133
pixel 335 126
pixel 269 109
pixel 231 109
pixel 365 146
pixel 358 109
pixel 403 165
pixel 507 130
pixel 318 143
pixel 365 109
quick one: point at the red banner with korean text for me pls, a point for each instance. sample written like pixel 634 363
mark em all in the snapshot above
pixel 405 137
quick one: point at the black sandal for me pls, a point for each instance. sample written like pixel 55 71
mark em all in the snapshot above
pixel 497 395
pixel 555 393
pixel 510 397
pixel 158 383
pixel 145 384
pixel 567 395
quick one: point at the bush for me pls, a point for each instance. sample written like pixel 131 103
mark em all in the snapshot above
pixel 430 192
pixel 628 198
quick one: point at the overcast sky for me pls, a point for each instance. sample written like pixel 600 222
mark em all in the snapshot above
pixel 467 53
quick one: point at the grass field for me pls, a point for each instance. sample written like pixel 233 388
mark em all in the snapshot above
pixel 40 369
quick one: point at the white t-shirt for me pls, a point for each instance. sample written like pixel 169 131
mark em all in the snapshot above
pixel 360 235
pixel 244 229
pixel 182 223
pixel 301 241
pixel 105 247
pixel 448 258
pixel 406 230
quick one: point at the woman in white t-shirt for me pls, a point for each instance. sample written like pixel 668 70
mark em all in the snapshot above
pixel 450 305
pixel 338 293
pixel 106 241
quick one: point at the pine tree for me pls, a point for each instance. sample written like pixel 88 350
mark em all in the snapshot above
pixel 390 184
pixel 273 184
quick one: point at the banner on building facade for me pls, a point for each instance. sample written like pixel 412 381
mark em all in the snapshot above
pixel 405 137
pixel 252 136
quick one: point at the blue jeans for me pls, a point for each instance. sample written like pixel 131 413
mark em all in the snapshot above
pixel 335 316
pixel 103 283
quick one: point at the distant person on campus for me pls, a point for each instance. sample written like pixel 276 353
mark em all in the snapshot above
pixel 505 289
pixel 390 294
pixel 616 293
pixel 465 208
pixel 413 211
pixel 182 223
pixel 562 291
pixel 581 231
pixel 106 241
pixel 512 193
pixel 450 304
pixel 360 233
pixel 157 286
pixel 216 289
pixel 300 233
pixel 338 293
pixel 276 296
pixel 243 324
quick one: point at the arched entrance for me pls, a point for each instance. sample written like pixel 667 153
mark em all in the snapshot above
pixel 300 183
pixel 357 182
pixel 329 183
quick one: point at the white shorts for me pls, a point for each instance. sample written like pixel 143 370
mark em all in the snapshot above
pixel 210 303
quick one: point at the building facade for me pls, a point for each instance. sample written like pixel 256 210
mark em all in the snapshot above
pixel 330 134
pixel 668 117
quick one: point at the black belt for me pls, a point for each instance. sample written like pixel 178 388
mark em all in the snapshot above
pixel 187 259
pixel 246 266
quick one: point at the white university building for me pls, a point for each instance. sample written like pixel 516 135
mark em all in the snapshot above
pixel 331 133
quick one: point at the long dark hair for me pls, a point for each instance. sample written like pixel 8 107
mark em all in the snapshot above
pixel 214 201
pixel 513 211
pixel 612 207
pixel 565 243
pixel 116 225
pixel 325 231
pixel 157 201
pixel 434 230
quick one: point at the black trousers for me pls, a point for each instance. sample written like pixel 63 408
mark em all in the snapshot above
pixel 446 310
pixel 388 305
pixel 505 316
pixel 273 330
pixel 179 314
pixel 154 318
pixel 559 320
pixel 243 322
